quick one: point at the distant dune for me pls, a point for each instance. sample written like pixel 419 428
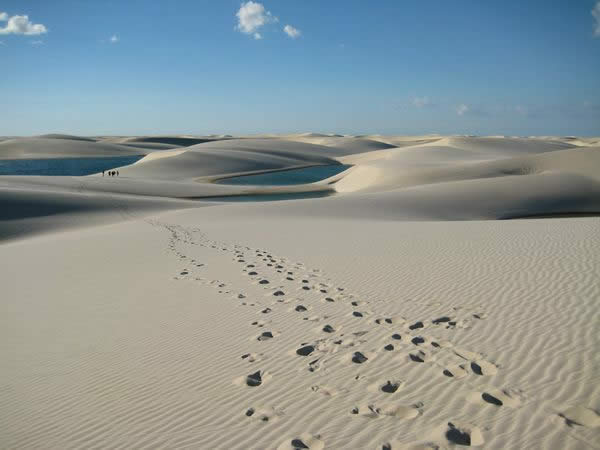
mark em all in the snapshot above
pixel 171 140
pixel 53 147
pixel 430 177
pixel 67 137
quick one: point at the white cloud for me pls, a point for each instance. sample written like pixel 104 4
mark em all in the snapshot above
pixel 596 15
pixel 20 25
pixel 462 109
pixel 421 102
pixel 251 17
pixel 114 39
pixel 291 31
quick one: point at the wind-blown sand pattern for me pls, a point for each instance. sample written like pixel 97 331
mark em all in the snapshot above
pixel 395 313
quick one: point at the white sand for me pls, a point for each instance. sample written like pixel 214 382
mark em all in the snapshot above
pixel 133 318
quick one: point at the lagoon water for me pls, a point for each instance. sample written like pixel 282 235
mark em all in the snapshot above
pixel 268 197
pixel 64 166
pixel 287 177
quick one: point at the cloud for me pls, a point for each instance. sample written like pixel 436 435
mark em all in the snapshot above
pixel 462 109
pixel 251 17
pixel 114 39
pixel 596 15
pixel 20 25
pixel 37 43
pixel 291 31
pixel 420 102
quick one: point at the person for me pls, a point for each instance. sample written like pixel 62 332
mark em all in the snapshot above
pixel 103 173
pixel 117 173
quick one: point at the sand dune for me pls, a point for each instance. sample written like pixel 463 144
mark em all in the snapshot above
pixel 27 211
pixel 349 143
pixel 397 313
pixel 69 137
pixel 233 157
pixel 393 172
pixel 179 141
pixel 52 147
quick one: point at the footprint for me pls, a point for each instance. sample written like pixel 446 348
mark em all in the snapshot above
pixel 265 336
pixel 391 386
pixel 467 435
pixel 483 368
pixel 314 365
pixel 305 350
pixel 302 442
pixel 582 416
pixel 388 387
pixel 387 320
pixel 252 357
pixel 358 358
pixel 489 398
pixel 263 414
pixel 416 326
pixel 254 379
pixel 418 340
pixel 439 320
pixel 457 372
pixel 419 356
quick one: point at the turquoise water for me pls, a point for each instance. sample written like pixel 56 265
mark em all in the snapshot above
pixel 268 197
pixel 64 166
pixel 287 177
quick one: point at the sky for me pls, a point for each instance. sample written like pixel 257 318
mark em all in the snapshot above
pixel 510 67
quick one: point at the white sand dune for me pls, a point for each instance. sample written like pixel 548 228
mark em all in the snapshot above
pixel 53 147
pixel 69 137
pixel 180 141
pixel 230 157
pixel 397 313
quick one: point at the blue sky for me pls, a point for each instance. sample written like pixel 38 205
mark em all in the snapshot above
pixel 393 67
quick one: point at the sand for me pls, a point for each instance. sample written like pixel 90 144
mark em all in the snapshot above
pixel 398 313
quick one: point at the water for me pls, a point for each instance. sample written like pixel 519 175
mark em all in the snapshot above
pixel 287 177
pixel 64 166
pixel 267 197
